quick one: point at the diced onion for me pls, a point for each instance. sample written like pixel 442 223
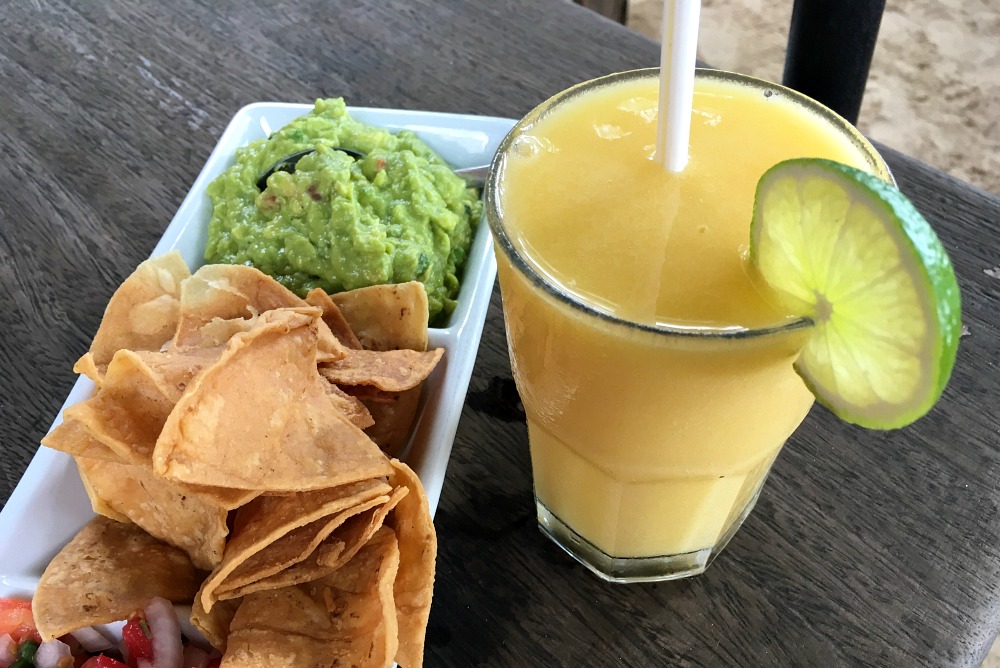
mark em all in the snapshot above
pixel 53 654
pixel 166 634
pixel 8 650
pixel 92 640
pixel 112 630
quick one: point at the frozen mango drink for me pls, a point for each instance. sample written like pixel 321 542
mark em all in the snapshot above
pixel 654 363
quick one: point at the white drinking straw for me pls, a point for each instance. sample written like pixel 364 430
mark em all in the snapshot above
pixel 678 53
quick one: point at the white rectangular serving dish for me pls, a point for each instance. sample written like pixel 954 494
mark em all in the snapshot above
pixel 49 504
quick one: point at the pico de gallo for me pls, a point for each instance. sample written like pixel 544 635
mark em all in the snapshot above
pixel 150 638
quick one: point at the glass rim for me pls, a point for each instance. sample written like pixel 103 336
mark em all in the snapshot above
pixel 494 211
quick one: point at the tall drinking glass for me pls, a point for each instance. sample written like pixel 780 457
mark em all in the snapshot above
pixel 655 368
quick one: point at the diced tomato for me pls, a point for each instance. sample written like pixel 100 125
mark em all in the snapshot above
pixel 138 640
pixel 16 619
pixel 103 662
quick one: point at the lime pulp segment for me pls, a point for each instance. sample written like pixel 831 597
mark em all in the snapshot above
pixel 852 253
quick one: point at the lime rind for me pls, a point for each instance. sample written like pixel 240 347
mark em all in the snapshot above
pixel 852 253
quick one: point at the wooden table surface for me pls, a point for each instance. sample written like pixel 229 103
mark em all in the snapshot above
pixel 866 548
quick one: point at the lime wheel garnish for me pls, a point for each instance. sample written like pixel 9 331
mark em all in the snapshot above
pixel 852 253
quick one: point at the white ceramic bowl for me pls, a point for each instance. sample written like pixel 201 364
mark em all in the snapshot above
pixel 49 504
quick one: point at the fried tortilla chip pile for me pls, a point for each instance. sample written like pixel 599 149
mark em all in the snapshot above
pixel 251 432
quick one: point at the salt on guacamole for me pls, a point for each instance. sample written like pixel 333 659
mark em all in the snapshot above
pixel 339 223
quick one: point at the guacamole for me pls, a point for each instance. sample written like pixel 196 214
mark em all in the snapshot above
pixel 336 222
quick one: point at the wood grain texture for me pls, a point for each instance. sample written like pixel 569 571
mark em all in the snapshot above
pixel 866 548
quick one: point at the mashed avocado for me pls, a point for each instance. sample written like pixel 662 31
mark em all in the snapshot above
pixel 398 214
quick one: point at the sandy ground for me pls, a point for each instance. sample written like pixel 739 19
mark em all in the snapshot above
pixel 933 91
pixel 934 87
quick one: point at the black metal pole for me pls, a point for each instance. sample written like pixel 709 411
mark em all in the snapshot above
pixel 830 46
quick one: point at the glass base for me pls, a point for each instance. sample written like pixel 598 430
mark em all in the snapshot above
pixel 635 569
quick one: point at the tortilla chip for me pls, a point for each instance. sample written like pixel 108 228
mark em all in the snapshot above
pixel 269 518
pixel 75 438
pixel 210 399
pixel 313 567
pixel 143 312
pixel 333 318
pixel 217 298
pixel 369 394
pixel 109 570
pixel 111 429
pixel 97 503
pixel 358 530
pixel 86 366
pixel 352 530
pixel 390 371
pixel 260 418
pixel 188 517
pixel 218 331
pixel 173 369
pixel 344 619
pixel 387 317
pixel 414 585
pixel 227 292
pixel 292 548
pixel 393 414
pixel 352 408
pixel 129 410
pixel 126 415
pixel 214 625
pixel 249 647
